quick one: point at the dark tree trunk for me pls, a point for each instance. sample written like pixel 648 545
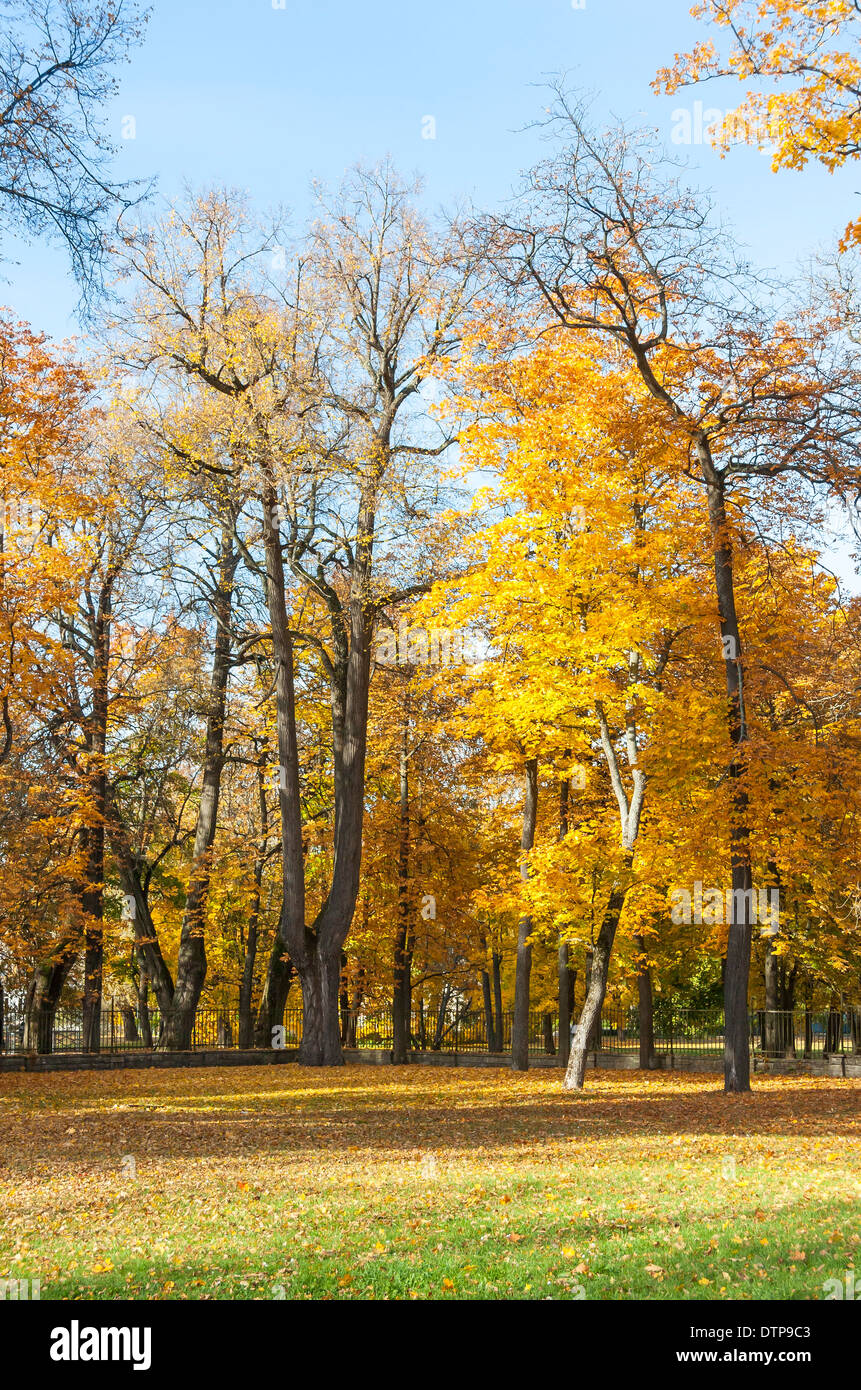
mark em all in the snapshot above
pixel 496 973
pixel 177 1026
pixel 130 1024
pixel 567 982
pixel 646 1010
pixel 563 970
pixel 487 999
pixel 547 1030
pixel 92 905
pixel 344 1000
pixel 808 1032
pixel 93 837
pixel 43 995
pixel 152 961
pixel 740 935
pixel 834 1028
pixel 321 1033
pixel 143 1005
pixel 439 1031
pixel 246 986
pixel 316 952
pixel 356 1002
pixel 771 1042
pixel 401 986
pixel 279 977
pixel 523 967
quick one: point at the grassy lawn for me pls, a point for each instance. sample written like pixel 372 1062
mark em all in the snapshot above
pixel 372 1182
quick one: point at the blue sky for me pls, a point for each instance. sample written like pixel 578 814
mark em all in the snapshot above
pixel 262 98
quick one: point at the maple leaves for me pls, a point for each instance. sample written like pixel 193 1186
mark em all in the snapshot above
pixel 272 1183
pixel 812 44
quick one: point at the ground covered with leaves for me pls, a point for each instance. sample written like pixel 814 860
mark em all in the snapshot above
pixel 366 1182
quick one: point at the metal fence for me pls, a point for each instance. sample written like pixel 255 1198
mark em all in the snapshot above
pixel 803 1033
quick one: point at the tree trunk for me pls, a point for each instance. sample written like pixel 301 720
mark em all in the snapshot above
pixel 487 999
pixel 316 952
pixel 590 1018
pixel 646 1010
pixel 593 1041
pixel 130 1024
pixel 834 1028
pixel 143 1005
pixel 772 1045
pixel 92 907
pixel 496 973
pixel 93 836
pixel 401 989
pixel 547 1030
pixel 523 967
pixel 279 977
pixel 321 1032
pixel 191 958
pixel 152 961
pixel 439 1030
pixel 562 967
pixel 740 935
pixel 43 995
pixel 344 1000
pixel 246 987
pixel 567 981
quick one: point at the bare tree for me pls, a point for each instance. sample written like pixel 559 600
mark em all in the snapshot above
pixel 57 59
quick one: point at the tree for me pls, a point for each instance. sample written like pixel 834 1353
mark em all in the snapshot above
pixel 808 46
pixel 608 242
pixel 56 63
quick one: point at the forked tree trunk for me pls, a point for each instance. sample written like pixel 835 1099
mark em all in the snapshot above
pixel 191 958
pixel 523 967
pixel 316 951
pixel 152 963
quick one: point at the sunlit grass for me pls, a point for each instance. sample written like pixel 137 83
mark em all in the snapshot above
pixel 412 1183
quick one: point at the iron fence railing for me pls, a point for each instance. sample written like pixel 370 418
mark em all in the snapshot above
pixel 801 1033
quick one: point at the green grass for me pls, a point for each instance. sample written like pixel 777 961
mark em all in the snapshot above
pixel 416 1183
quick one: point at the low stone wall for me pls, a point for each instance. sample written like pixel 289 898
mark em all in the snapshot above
pixel 848 1065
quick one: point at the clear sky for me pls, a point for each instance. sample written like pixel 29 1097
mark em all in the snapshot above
pixel 243 93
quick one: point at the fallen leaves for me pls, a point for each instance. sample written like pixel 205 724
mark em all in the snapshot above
pixel 320 1192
